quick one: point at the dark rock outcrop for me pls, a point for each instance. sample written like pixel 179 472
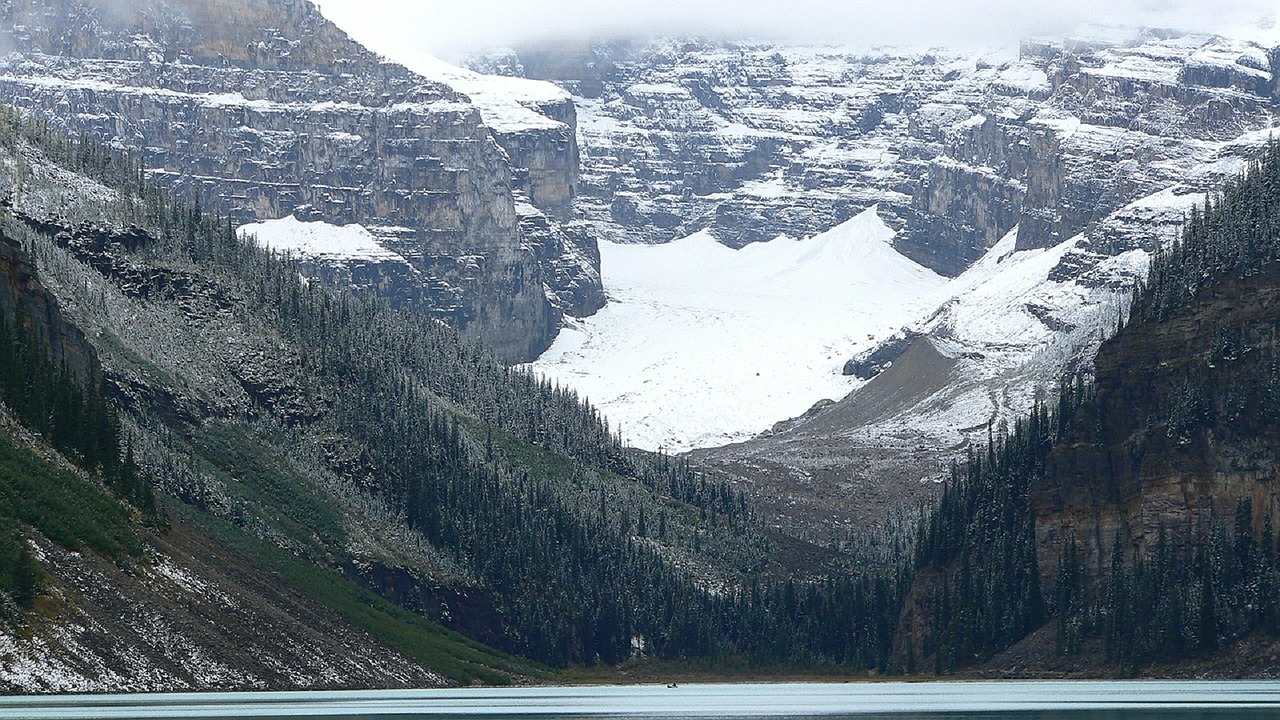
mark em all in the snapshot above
pixel 24 298
pixel 1187 428
pixel 957 214
pixel 875 361
pixel 470 611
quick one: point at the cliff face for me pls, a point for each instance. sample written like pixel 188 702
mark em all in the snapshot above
pixel 545 159
pixel 570 257
pixel 756 140
pixel 261 109
pixel 958 210
pixel 22 295
pixel 1187 427
pixel 1120 117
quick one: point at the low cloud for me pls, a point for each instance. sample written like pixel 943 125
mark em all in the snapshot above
pixel 451 28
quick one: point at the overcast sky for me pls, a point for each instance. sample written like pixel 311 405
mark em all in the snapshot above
pixel 451 28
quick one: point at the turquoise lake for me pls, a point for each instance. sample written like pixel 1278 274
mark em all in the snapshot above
pixel 1002 700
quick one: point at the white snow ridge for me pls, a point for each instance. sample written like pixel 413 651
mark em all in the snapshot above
pixel 318 240
pixel 701 344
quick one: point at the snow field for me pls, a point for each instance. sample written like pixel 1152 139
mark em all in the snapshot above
pixel 701 344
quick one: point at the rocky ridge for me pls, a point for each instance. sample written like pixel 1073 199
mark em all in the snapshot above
pixel 958 148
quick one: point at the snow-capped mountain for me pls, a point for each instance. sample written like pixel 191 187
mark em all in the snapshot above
pixel 1037 181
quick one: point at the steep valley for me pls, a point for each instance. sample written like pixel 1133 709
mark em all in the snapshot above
pixel 325 370
pixel 1038 181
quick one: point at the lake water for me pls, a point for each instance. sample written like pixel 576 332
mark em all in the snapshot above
pixel 1051 700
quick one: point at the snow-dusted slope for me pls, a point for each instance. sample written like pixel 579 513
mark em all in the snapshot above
pixel 363 258
pixel 1007 329
pixel 701 344
pixel 507 104
pixel 1014 321
pixel 1001 335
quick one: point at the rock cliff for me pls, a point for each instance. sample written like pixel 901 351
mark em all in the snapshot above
pixel 756 140
pixel 23 298
pixel 263 109
pixel 1185 429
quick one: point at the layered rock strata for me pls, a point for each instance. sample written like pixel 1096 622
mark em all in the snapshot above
pixel 1187 430
pixel 756 140
pixel 265 109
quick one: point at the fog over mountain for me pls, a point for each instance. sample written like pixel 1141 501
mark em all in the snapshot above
pixel 451 29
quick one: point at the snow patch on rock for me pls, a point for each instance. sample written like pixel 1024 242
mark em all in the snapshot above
pixel 506 104
pixel 318 240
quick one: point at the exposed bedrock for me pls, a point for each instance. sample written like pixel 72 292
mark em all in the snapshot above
pixel 262 109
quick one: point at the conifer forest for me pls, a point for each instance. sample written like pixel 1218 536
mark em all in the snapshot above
pixel 377 470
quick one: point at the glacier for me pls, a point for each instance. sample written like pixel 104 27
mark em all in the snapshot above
pixel 701 344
